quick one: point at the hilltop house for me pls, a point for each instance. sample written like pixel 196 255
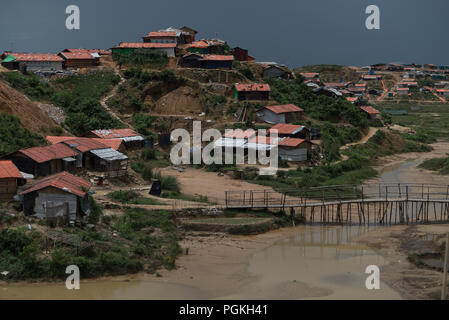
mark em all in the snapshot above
pixel 162 37
pixel 209 61
pixel 10 179
pixel 200 46
pixel 191 60
pixel 131 139
pixel 241 54
pixel 252 91
pixel 43 161
pixel 280 113
pixel 276 72
pixel 127 48
pixel 60 195
pixel 188 34
pixel 291 130
pixel 371 112
pixel 79 58
pixel 217 61
pixel 32 61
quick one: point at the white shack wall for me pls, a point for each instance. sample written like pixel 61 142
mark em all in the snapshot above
pixel 298 154
pixel 56 199
pixel 43 65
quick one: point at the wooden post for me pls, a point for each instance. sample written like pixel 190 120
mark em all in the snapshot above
pixel 226 198
pixel 446 262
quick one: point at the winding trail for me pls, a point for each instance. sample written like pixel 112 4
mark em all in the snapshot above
pixel 111 94
pixel 371 132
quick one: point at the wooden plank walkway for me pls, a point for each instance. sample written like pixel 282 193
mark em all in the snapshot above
pixel 392 204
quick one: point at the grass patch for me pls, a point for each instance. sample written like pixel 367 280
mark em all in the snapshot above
pixel 13 136
pixel 436 164
pixel 131 197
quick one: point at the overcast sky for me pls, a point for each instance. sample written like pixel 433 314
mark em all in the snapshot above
pixel 292 32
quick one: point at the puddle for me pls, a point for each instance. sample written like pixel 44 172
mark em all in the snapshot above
pixel 325 264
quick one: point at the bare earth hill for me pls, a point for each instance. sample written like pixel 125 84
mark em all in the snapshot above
pixel 14 102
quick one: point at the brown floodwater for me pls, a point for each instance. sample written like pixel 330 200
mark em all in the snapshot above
pixel 308 262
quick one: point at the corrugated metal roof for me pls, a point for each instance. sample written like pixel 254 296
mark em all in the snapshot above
pixel 47 153
pixel 265 140
pixel 291 142
pixel 239 134
pixel 370 110
pixel 85 144
pixel 149 45
pixel 115 133
pixel 36 57
pixel 161 34
pixel 109 154
pixel 252 87
pixel 57 139
pixel 129 139
pixel 63 181
pixel 111 143
pixel 284 108
pixel 227 142
pixel 9 170
pixel 282 128
pixel 77 55
pixel 214 57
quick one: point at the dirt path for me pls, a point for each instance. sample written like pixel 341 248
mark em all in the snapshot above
pixel 198 182
pixel 111 94
pixel 371 132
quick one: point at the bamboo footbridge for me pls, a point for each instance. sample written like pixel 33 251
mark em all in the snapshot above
pixel 353 204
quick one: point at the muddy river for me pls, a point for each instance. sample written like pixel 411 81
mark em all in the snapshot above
pixel 305 263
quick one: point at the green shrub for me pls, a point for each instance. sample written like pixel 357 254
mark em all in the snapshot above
pixel 14 137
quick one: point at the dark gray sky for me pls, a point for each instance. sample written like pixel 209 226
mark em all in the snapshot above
pixel 293 32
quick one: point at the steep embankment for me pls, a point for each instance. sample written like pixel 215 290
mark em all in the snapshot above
pixel 33 118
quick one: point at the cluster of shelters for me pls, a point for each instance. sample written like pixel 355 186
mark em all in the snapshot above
pixel 102 152
pixel 293 142
pixel 181 42
pixel 66 59
pixel 59 192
